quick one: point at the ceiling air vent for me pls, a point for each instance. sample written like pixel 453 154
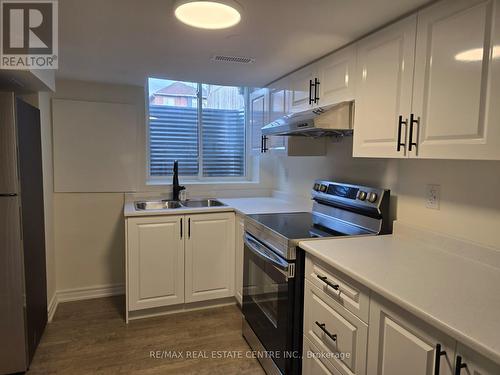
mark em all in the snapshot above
pixel 233 59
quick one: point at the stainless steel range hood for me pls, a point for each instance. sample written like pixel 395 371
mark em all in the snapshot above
pixel 317 122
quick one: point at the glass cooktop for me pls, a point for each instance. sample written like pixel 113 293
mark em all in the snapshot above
pixel 301 225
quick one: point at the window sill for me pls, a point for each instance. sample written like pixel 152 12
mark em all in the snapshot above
pixel 200 183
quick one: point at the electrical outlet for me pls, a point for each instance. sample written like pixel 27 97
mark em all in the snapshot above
pixel 433 196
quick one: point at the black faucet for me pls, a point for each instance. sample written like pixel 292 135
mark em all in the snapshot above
pixel 176 188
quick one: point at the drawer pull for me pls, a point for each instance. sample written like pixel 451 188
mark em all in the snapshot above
pixel 322 326
pixel 327 282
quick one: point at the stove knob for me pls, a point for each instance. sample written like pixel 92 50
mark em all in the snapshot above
pixel 372 197
pixel 323 188
pixel 316 187
pixel 362 195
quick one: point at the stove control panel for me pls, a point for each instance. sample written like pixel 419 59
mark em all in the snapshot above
pixel 345 193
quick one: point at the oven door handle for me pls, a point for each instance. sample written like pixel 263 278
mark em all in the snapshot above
pixel 287 269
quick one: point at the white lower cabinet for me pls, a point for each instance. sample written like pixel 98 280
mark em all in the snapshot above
pixel 339 335
pixel 155 262
pixel 239 253
pixel 394 342
pixel 209 257
pixel 314 362
pixel 400 344
pixel 174 259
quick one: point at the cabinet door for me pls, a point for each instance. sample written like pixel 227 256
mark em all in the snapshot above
pixel 337 77
pixel 399 344
pixel 240 233
pixel 300 88
pixel 457 80
pixel 278 106
pixel 475 363
pixel 209 256
pixel 258 117
pixel 155 262
pixel 384 89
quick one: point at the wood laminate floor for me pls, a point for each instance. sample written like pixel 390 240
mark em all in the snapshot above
pixel 91 337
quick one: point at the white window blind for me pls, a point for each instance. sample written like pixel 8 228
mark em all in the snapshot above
pixel 188 120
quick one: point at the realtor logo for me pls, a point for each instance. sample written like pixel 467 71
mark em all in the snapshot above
pixel 28 34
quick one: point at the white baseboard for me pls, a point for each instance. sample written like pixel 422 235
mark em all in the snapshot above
pixel 52 307
pixel 99 291
pixel 79 294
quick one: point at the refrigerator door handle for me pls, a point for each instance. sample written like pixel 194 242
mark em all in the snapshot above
pixel 8 195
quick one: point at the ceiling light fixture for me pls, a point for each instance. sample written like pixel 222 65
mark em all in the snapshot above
pixel 208 14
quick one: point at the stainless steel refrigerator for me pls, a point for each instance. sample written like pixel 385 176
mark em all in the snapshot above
pixel 23 286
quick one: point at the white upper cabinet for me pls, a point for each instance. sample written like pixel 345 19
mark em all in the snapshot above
pixel 337 75
pixel 468 362
pixel 441 75
pixel 331 80
pixel 302 88
pixel 258 117
pixel 279 105
pixel 457 81
pixel 384 89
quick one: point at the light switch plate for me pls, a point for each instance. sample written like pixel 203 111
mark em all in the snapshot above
pixel 433 196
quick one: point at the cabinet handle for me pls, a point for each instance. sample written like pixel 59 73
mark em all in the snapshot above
pixel 322 326
pixel 316 90
pixel 181 227
pixel 328 282
pixel 311 84
pixel 437 359
pixel 189 228
pixel 263 144
pixel 401 122
pixel 413 122
pixel 459 365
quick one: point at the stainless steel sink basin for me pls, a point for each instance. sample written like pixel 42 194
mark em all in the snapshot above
pixel 202 203
pixel 157 205
pixel 168 205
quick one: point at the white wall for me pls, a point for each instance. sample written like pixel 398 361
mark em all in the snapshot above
pixel 295 175
pixel 469 209
pixel 89 234
pixel 470 201
pixel 89 231
pixel 89 227
pixel 42 101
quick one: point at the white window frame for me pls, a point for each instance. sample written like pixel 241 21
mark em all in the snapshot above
pixel 200 179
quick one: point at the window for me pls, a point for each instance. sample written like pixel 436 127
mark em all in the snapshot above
pixel 200 125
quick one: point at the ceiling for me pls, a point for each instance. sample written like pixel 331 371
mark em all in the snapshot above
pixel 125 41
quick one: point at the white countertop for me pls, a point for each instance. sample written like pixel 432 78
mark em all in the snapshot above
pixel 458 295
pixel 245 206
pixel 265 205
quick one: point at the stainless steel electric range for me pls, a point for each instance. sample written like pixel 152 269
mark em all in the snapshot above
pixel 273 277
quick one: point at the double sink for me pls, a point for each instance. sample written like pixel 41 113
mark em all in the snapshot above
pixel 172 205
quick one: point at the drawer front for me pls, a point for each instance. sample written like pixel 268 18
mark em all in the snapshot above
pixel 350 294
pixel 336 332
pixel 314 362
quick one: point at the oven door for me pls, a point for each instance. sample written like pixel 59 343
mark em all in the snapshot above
pixel 268 297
